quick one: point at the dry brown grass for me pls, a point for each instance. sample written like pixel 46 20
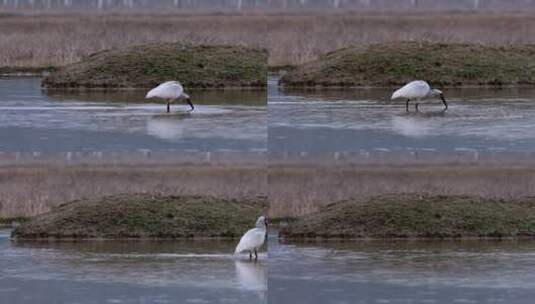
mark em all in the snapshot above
pixel 28 190
pixel 57 40
pixel 290 39
pixel 294 186
pixel 302 190
pixel 298 39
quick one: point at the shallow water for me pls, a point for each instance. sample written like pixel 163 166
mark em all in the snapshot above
pixel 128 272
pixel 52 121
pixel 353 120
pixel 328 272
pixel 402 272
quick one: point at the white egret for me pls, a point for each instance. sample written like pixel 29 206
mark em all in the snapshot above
pixel 170 91
pixel 253 239
pixel 418 90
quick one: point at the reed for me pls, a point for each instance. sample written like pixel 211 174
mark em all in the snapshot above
pixel 55 40
pixel 297 191
pixel 28 190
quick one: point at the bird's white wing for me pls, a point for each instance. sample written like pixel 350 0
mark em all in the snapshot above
pixel 253 238
pixel 413 90
pixel 166 90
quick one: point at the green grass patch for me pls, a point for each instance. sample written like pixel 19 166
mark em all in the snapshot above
pixel 418 216
pixel 441 64
pixel 145 66
pixel 145 216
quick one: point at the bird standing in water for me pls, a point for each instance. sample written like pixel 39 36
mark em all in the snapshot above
pixel 170 91
pixel 253 239
pixel 420 91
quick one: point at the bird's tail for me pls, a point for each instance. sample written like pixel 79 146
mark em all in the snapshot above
pixel 239 248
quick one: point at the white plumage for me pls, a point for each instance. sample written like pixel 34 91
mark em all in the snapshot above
pixel 418 90
pixel 170 90
pixel 413 90
pixel 253 239
pixel 167 90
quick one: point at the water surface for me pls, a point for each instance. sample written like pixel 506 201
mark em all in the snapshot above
pixel 128 272
pixel 402 272
pixel 54 121
pixel 365 119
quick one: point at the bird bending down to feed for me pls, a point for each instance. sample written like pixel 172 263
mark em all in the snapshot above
pixel 170 91
pixel 253 239
pixel 419 91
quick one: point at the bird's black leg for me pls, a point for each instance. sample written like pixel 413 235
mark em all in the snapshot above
pixel 255 255
pixel 407 105
pixel 444 102
pixel 250 255
pixel 168 106
pixel 188 101
pixel 416 106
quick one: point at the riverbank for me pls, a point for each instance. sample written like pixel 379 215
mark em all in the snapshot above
pixel 417 216
pixel 142 216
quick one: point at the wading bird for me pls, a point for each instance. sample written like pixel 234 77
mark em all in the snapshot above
pixel 419 91
pixel 253 239
pixel 170 91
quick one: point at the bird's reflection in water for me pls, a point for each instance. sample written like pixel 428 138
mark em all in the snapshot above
pixel 173 116
pixel 417 124
pixel 167 126
pixel 252 276
pixel 429 114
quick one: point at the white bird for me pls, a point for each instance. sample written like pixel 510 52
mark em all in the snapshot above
pixel 418 90
pixel 253 239
pixel 170 90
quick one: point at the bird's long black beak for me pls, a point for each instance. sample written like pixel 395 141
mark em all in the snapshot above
pixel 190 104
pixel 444 101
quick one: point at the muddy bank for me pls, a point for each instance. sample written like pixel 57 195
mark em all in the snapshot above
pixel 145 216
pixel 441 64
pixel 145 66
pixel 418 216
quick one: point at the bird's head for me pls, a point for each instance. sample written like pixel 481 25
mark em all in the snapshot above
pixel 150 94
pixel 187 99
pixel 438 94
pixel 261 222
